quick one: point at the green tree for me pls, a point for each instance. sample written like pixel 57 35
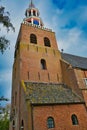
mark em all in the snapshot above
pixel 6 22
pixel 4 115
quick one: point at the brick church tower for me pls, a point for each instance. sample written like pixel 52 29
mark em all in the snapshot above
pixel 41 98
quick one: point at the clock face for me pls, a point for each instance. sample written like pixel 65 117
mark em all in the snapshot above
pixel 36 22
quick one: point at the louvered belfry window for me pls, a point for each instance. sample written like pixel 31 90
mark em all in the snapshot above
pixel 33 38
pixel 47 42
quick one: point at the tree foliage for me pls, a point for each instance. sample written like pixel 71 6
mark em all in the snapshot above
pixel 4 118
pixel 6 22
pixel 4 115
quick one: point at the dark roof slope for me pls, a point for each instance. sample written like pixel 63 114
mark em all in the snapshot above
pixel 49 93
pixel 75 61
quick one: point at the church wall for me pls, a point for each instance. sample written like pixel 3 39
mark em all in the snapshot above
pixel 14 116
pixel 25 110
pixel 27 67
pixel 26 30
pixel 31 55
pixel 81 75
pixel 61 115
pixel 69 77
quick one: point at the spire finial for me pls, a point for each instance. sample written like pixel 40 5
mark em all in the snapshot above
pixel 31 1
pixel 31 4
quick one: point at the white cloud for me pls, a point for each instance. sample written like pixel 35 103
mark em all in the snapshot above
pixel 6 76
pixel 69 38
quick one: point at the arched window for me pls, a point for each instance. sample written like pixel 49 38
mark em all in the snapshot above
pixel 29 13
pixel 47 42
pixel 34 13
pixel 50 122
pixel 43 64
pixel 33 38
pixel 22 125
pixel 13 125
pixel 74 119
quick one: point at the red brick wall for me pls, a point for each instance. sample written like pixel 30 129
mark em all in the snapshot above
pixel 62 117
pixel 40 34
pixel 80 75
pixel 69 77
pixel 31 55
pixel 27 65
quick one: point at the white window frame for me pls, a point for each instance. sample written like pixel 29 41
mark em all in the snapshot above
pixel 85 80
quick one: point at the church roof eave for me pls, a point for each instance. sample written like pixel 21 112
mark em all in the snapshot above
pixel 76 61
pixel 50 93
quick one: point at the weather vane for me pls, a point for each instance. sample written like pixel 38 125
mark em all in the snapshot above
pixel 31 1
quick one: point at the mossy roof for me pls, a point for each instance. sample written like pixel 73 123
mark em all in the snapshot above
pixel 49 93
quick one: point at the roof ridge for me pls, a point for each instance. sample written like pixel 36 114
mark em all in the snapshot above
pixel 74 55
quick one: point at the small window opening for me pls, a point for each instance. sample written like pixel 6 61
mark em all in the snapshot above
pixel 50 122
pixel 29 21
pixel 85 80
pixel 13 125
pixel 29 13
pixel 34 13
pixel 47 42
pixel 22 125
pixel 74 120
pixel 43 64
pixel 33 39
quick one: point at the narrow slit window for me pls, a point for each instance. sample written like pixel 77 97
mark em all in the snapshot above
pixel 13 125
pixel 22 125
pixel 29 13
pixel 34 13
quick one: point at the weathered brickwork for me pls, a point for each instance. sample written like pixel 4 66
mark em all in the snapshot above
pixel 31 55
pixel 62 117
pixel 57 73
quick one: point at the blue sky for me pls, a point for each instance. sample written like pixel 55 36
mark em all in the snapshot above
pixel 67 18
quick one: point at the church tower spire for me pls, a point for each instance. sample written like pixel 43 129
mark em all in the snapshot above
pixel 31 4
pixel 32 15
